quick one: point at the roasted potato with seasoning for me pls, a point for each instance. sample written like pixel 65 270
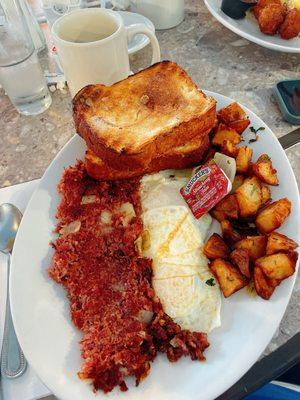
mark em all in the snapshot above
pixel 229 278
pixel 273 216
pixel 230 235
pixel 264 170
pixel 238 181
pixel 240 126
pixel 224 133
pixel 229 149
pixel 226 208
pixel 243 159
pixel 240 258
pixel 278 243
pixel 234 116
pixel 278 266
pixel 215 247
pixel 249 197
pixel 255 245
pixel 266 194
pixel 264 287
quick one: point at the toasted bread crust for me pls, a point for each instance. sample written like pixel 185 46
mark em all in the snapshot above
pixel 175 159
pixel 166 107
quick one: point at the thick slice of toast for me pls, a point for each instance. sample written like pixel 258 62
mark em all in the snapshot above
pixel 142 117
pixel 180 157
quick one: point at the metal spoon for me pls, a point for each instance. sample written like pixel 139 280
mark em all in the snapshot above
pixel 10 218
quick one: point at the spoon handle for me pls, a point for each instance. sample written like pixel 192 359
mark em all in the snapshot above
pixel 10 341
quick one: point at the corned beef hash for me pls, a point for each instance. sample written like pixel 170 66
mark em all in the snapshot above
pixel 108 282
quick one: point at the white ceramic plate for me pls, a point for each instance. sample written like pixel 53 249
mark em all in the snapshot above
pixel 50 341
pixel 249 29
pixel 138 42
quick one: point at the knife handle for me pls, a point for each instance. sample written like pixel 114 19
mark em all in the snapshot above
pixel 290 139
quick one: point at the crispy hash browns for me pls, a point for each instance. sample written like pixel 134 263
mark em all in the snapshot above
pixel 109 285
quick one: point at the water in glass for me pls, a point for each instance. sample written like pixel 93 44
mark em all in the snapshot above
pixel 21 75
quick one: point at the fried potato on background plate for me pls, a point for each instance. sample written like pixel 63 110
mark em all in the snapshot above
pixel 290 27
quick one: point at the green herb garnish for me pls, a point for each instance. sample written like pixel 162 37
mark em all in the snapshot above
pixel 255 131
pixel 210 282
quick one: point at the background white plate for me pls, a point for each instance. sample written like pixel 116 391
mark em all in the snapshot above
pixel 249 29
pixel 138 42
pixel 50 341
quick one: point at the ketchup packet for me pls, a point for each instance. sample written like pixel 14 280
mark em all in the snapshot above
pixel 205 189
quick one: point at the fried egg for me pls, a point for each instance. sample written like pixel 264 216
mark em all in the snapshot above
pixel 175 242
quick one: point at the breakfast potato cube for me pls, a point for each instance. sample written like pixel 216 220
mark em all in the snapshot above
pixel 240 126
pixel 215 247
pixel 226 208
pixel 266 194
pixel 264 170
pixel 224 133
pixel 278 266
pixel 238 181
pixel 229 233
pixel 229 149
pixel 234 116
pixel 273 216
pixel 240 258
pixel 278 242
pixel 264 287
pixel 255 245
pixel 229 278
pixel 249 197
pixel 243 159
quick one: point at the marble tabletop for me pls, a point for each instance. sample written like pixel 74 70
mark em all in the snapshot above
pixel 216 58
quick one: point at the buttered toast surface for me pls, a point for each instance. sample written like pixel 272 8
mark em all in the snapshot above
pixel 142 117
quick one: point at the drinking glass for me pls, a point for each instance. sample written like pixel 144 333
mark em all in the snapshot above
pixel 20 73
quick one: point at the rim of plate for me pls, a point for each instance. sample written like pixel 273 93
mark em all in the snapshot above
pixel 228 381
pixel 262 42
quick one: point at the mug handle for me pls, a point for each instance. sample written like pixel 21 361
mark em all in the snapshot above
pixel 135 29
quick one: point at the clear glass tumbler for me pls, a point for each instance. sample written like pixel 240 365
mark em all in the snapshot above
pixel 20 72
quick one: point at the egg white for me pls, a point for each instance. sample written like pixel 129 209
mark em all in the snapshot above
pixel 175 244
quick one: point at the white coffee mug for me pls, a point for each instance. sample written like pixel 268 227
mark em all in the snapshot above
pixel 92 46
pixel 164 14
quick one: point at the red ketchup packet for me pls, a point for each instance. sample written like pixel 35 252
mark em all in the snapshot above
pixel 205 189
